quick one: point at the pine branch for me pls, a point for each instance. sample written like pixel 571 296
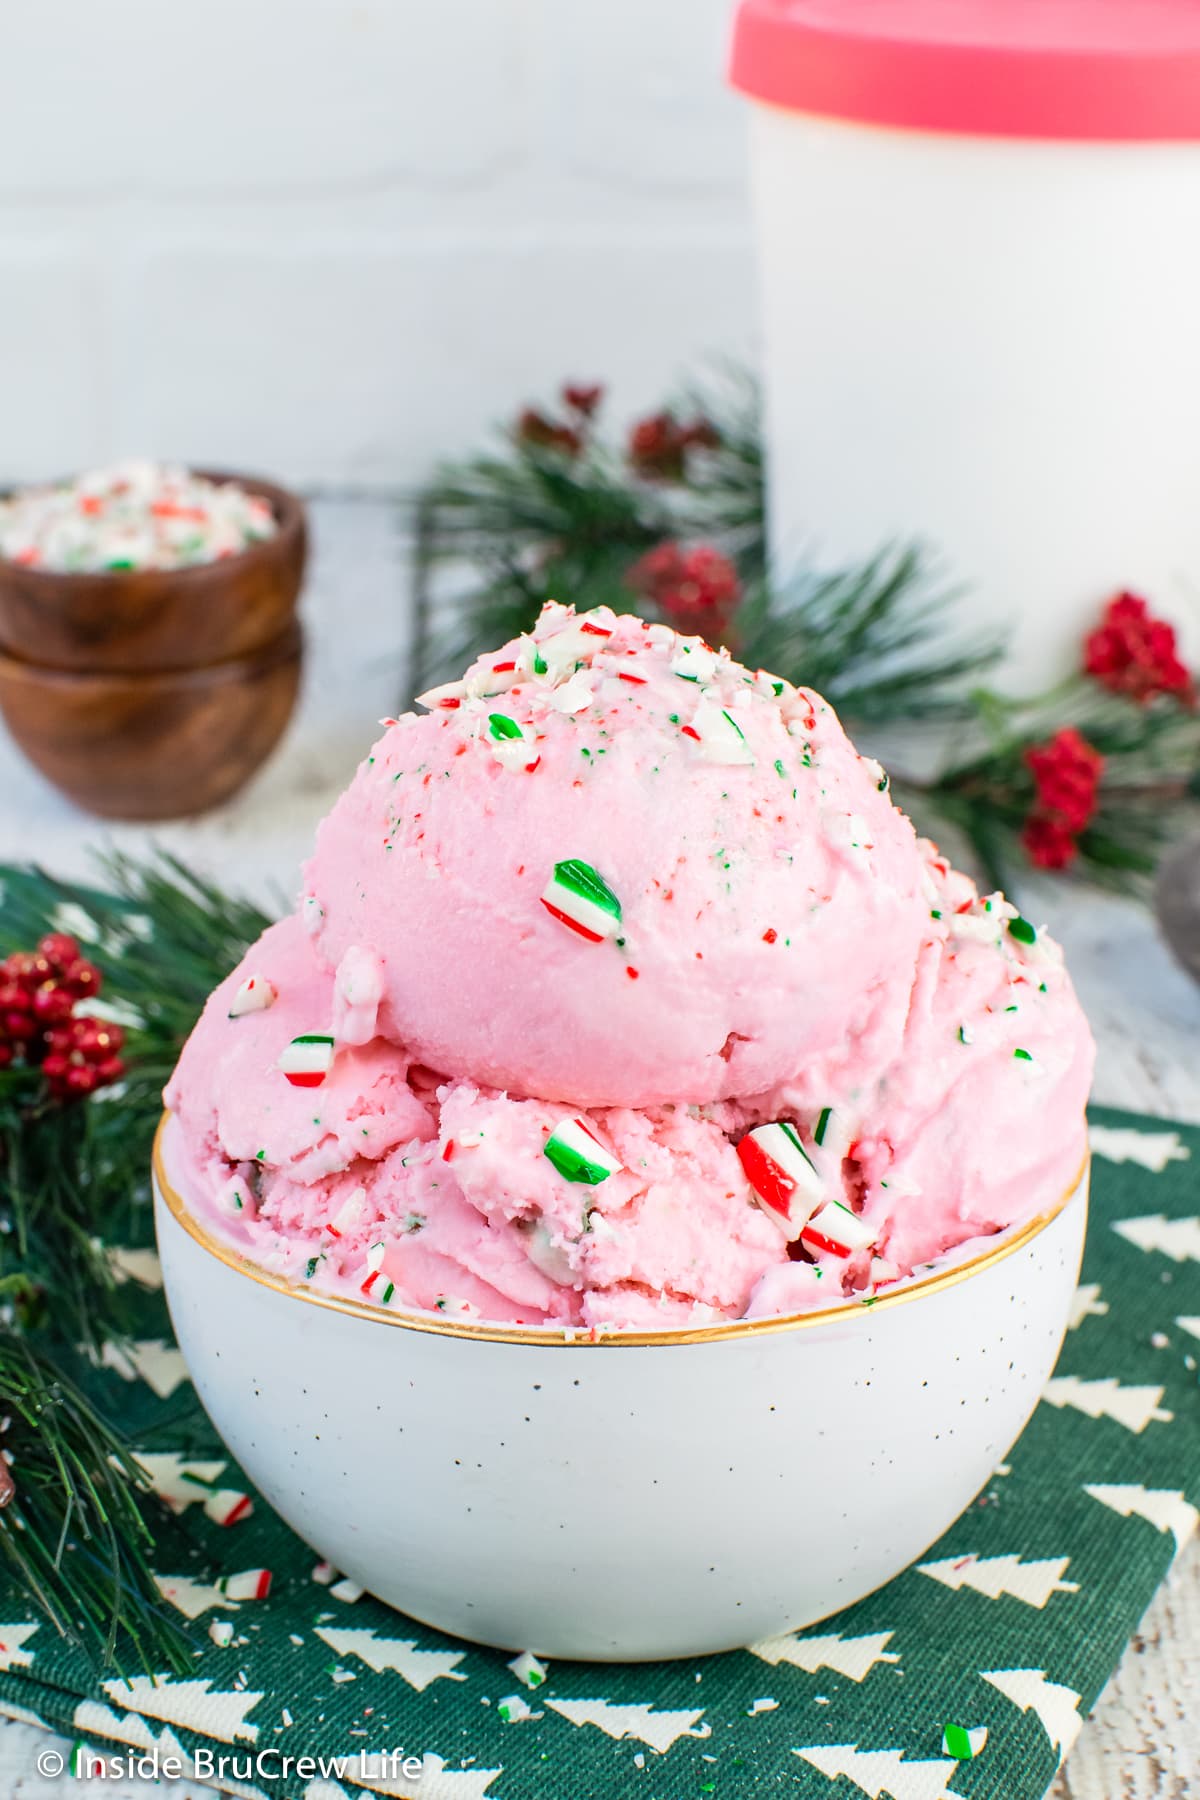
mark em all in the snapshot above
pixel 864 639
pixel 73 1178
pixel 70 1525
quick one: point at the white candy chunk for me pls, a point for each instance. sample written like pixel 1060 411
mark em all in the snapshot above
pixel 574 695
pixel 357 991
pixel 255 995
pixel 449 695
pixel 694 661
pixel 528 1670
pixel 350 1214
pixel 720 737
pixel 832 1135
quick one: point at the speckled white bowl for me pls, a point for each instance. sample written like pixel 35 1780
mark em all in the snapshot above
pixel 635 1497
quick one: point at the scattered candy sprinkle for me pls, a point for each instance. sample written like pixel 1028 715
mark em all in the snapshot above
pixel 135 515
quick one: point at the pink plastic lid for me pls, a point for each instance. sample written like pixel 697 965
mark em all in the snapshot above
pixel 1099 69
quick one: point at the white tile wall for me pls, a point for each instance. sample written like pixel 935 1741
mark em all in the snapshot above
pixel 336 238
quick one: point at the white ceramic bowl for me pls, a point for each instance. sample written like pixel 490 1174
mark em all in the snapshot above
pixel 638 1496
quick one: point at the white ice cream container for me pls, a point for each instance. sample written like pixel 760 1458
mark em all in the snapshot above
pixel 979 239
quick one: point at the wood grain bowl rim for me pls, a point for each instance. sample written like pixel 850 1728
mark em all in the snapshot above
pixel 252 666
pixel 290 517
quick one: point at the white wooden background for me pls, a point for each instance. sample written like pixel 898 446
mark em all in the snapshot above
pixel 1144 1739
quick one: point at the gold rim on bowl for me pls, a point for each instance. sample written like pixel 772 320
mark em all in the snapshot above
pixel 549 1337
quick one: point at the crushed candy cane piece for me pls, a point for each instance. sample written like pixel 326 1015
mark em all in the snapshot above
pixel 347 1591
pixel 694 661
pixel 256 994
pixel 577 1153
pixel 835 1228
pixel 514 1708
pixel 228 1506
pixel 349 1214
pixel 248 1584
pixel 308 1059
pixel 449 695
pixel 963 1743
pixel 323 1573
pixel 579 897
pixel 720 737
pixel 528 1670
pixel 221 1633
pixel 511 744
pixel 781 1173
pixel 134 515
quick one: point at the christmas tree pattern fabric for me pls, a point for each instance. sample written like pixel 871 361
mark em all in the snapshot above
pixel 969 1676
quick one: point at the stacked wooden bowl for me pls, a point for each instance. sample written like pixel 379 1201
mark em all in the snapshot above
pixel 156 693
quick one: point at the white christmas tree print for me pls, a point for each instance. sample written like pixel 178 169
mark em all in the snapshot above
pixel 398 1655
pixel 1152 1150
pixel 127 1728
pixel 881 1773
pixel 191 1597
pixel 159 1364
pixel 1057 1707
pixel 658 1729
pixel 853 1657
pixel 24 1715
pixel 1191 1326
pixel 1032 1582
pixel 1168 1510
pixel 1132 1407
pixel 1086 1304
pixel 180 1481
pixel 1177 1238
pixel 13 1638
pixel 195 1704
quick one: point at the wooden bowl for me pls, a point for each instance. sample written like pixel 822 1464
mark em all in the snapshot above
pixel 156 745
pixel 160 619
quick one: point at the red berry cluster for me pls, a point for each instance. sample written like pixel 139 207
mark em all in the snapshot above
pixel 568 435
pixel 1131 652
pixel 695 590
pixel 39 991
pixel 659 446
pixel 1066 777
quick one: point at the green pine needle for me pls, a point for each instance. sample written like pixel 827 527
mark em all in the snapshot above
pixel 74 1177
pixel 72 1531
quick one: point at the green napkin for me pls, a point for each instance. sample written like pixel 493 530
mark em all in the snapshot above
pixel 1013 1622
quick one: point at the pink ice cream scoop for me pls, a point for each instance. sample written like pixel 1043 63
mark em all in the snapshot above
pixel 621 997
pixel 614 868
